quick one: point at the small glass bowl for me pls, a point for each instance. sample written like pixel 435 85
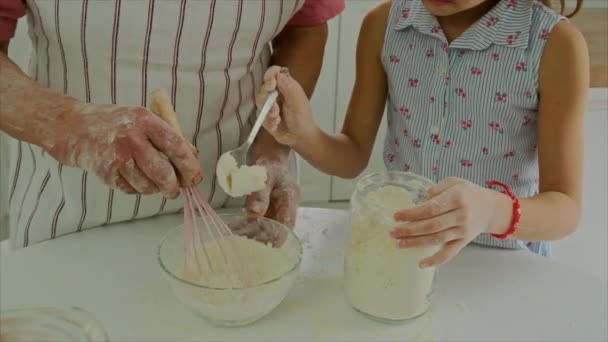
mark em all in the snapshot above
pixel 232 306
pixel 50 324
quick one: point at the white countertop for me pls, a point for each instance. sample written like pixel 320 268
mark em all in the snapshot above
pixel 484 294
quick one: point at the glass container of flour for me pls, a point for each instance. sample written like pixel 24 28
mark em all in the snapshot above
pixel 382 280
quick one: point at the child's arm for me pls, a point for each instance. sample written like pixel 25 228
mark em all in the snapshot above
pixel 564 82
pixel 459 211
pixel 345 154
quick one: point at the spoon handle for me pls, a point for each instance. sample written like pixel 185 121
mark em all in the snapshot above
pixel 270 100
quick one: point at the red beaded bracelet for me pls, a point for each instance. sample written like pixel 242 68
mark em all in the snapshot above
pixel 516 209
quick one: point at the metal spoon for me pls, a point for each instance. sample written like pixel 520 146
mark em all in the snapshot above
pixel 241 153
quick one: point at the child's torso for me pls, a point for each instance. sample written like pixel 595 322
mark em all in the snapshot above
pixel 466 109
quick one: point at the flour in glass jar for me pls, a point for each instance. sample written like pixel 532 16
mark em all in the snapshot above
pixel 381 279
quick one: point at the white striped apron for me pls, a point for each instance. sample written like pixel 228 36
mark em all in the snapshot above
pixel 209 54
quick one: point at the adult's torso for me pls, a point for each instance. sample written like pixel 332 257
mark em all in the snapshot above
pixel 209 54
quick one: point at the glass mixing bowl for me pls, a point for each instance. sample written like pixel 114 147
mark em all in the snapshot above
pixel 50 324
pixel 232 306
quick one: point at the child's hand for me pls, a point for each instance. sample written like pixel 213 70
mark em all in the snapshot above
pixel 457 212
pixel 294 120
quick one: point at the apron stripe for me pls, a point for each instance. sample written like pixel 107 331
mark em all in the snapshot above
pixel 61 204
pixel 87 87
pixel 201 75
pixel 35 19
pixel 144 87
pixel 61 49
pixel 65 88
pixel 29 221
pixel 17 170
pixel 27 188
pixel 115 31
pixel 252 118
pixel 178 37
pixel 253 52
pixel 218 128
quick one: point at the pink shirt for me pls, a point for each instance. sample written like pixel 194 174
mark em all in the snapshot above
pixel 10 11
pixel 314 12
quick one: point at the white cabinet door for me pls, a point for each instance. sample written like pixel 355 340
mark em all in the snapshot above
pixel 315 185
pixel 349 30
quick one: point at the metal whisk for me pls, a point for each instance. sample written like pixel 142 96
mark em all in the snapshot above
pixel 213 241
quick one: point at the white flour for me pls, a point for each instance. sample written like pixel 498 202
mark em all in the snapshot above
pixel 381 279
pixel 262 263
pixel 239 181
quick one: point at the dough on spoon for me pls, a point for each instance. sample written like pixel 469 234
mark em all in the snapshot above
pixel 239 181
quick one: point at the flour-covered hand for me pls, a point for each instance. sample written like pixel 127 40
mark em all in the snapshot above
pixel 290 121
pixel 456 213
pixel 128 148
pixel 280 198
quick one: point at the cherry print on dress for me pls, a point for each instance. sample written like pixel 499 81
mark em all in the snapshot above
pixel 492 20
pixel 544 34
pixel 405 111
pixel 495 126
pixel 485 150
pixel 461 92
pixel 432 99
pixel 430 53
pixel 407 167
pixel 511 39
pixel 509 154
pixel 394 59
pixel 413 82
pixel 496 56
pixel 512 4
pixel 528 93
pixel 435 139
pixel 521 66
pixel 390 157
pixel 466 124
pixel 445 47
pixel 475 71
pixel 417 143
pixel 501 97
pixel 406 13
pixel 465 163
pixel 436 30
pixel 447 144
pixel 527 121
pixel 461 53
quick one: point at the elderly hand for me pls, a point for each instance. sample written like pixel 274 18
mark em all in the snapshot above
pixel 294 120
pixel 128 148
pixel 456 213
pixel 279 200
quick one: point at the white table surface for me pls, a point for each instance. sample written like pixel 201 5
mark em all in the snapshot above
pixel 484 294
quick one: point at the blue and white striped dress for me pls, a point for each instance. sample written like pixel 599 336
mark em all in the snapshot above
pixel 469 108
